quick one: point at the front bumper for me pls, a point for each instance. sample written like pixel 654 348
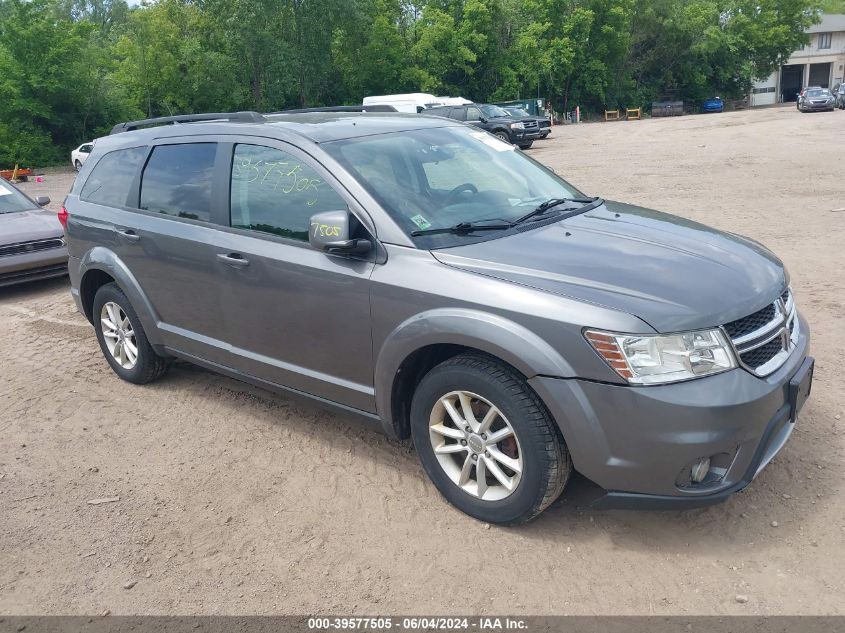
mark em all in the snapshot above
pixel 817 106
pixel 524 136
pixel 25 267
pixel 637 442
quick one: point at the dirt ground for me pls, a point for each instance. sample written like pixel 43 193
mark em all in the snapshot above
pixel 235 501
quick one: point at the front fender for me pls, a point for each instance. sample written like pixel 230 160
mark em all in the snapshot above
pixel 490 333
pixel 105 260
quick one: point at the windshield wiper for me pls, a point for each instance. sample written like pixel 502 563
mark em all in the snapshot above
pixel 464 227
pixel 556 202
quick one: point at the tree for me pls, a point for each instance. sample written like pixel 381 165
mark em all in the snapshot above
pixel 54 96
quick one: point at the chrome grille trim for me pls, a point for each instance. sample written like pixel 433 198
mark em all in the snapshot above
pixel 22 248
pixel 783 325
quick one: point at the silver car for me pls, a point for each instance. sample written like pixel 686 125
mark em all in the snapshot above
pixel 32 245
pixel 423 274
pixel 816 100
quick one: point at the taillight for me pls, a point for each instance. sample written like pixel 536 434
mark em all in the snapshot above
pixel 63 216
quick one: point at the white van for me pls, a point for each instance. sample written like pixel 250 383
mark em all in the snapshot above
pixel 414 102
pixel 453 101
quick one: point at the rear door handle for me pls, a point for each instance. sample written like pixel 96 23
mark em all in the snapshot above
pixel 128 234
pixel 233 259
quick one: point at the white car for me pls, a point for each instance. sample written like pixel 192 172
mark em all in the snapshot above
pixel 78 156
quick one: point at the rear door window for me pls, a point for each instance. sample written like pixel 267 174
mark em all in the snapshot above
pixel 275 192
pixel 177 180
pixel 111 178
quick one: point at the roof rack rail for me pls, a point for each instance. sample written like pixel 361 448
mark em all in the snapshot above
pixel 353 108
pixel 239 117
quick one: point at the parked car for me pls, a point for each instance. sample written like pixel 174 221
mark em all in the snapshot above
pixel 421 274
pixel 413 102
pixel 801 94
pixel 80 155
pixel 544 124
pixel 816 99
pixel 32 244
pixel 493 119
pixel 713 105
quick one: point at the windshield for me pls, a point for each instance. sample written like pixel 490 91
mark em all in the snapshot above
pixel 518 112
pixel 493 112
pixel 818 93
pixel 11 200
pixel 439 177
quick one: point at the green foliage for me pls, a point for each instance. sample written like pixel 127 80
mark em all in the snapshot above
pixel 69 69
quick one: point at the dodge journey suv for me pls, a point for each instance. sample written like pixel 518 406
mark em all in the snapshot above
pixel 424 274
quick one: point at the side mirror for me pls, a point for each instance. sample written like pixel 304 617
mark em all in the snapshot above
pixel 42 201
pixel 482 119
pixel 330 232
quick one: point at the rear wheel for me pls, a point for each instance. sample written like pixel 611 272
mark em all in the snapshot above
pixel 486 441
pixel 122 338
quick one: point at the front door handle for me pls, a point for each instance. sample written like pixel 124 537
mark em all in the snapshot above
pixel 128 234
pixel 233 259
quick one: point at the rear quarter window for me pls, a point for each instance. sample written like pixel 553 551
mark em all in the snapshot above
pixel 111 179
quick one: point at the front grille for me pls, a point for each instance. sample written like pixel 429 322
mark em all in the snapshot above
pixel 764 340
pixel 752 322
pixel 763 354
pixel 530 125
pixel 30 247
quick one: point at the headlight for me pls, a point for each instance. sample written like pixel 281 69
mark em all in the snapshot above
pixel 645 359
pixel 518 126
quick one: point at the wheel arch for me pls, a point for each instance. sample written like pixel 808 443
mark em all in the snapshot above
pixel 422 342
pixel 101 266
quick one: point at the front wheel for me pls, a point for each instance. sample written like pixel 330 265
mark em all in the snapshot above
pixel 526 145
pixel 503 136
pixel 77 165
pixel 486 440
pixel 122 339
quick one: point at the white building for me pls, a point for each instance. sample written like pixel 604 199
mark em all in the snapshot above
pixel 819 63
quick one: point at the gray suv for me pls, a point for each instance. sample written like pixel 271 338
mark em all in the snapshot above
pixel 424 274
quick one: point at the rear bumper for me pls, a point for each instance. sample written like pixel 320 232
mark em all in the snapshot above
pixel 639 442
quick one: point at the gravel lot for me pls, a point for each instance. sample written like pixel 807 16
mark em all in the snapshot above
pixel 234 500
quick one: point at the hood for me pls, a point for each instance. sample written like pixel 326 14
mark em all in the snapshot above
pixel 26 226
pixel 672 273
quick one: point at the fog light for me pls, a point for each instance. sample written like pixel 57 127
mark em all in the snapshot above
pixel 700 469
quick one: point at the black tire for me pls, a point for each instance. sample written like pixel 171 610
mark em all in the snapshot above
pixel 77 165
pixel 546 461
pixel 501 134
pixel 148 365
pixel 526 145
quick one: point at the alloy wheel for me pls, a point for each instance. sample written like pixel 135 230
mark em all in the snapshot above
pixel 475 445
pixel 118 335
